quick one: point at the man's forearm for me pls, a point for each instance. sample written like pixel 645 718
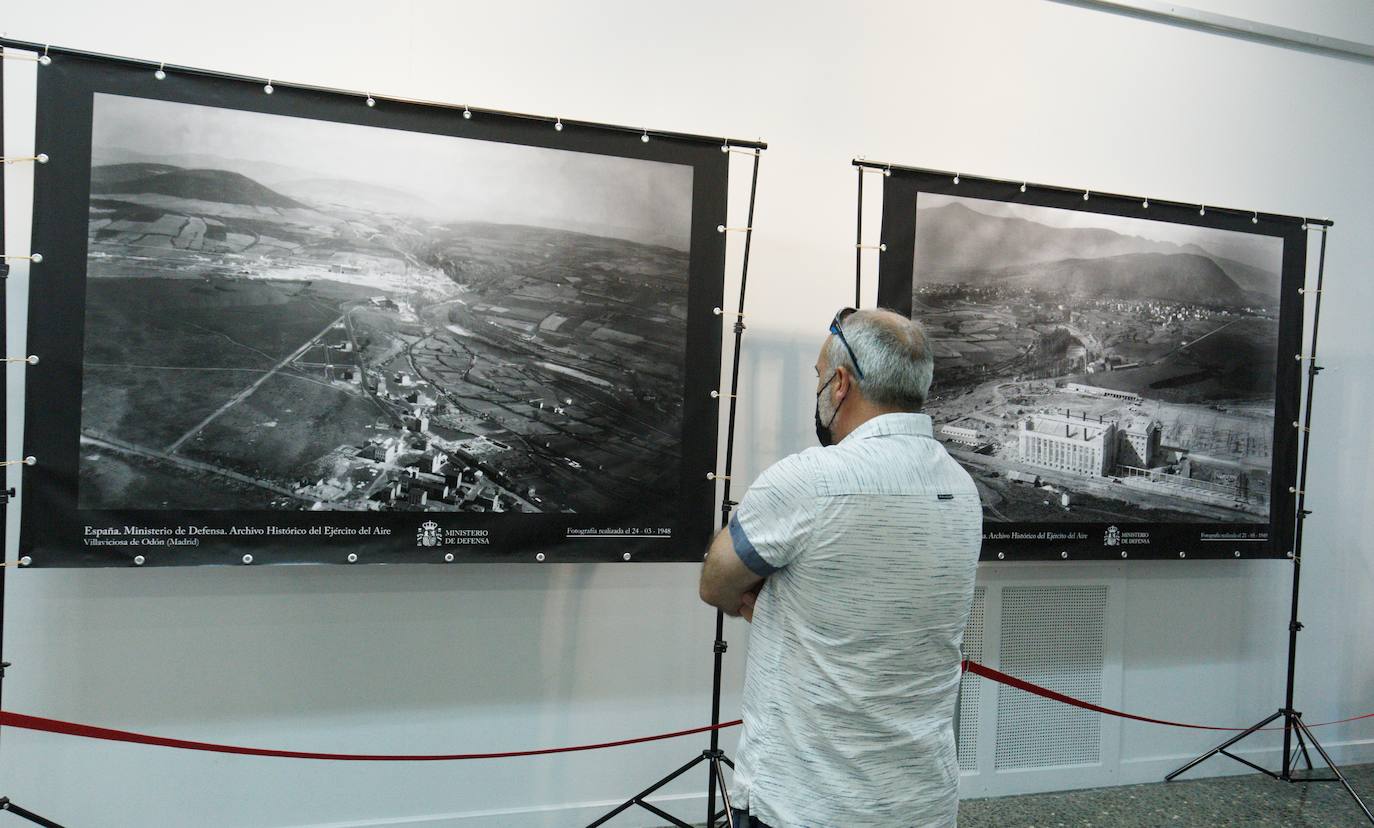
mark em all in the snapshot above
pixel 724 578
pixel 720 595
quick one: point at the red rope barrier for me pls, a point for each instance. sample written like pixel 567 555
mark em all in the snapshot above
pixel 39 723
pixel 1020 684
pixel 20 720
pixel 1044 692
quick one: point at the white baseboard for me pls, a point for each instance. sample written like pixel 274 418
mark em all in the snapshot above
pixel 687 807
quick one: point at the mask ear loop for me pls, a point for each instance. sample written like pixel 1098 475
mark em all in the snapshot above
pixel 836 412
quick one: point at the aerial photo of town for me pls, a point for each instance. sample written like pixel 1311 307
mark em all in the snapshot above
pixel 284 313
pixel 1094 368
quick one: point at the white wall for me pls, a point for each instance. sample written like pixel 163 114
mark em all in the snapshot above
pixel 494 657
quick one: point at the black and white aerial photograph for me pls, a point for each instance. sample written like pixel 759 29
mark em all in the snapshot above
pixel 1100 368
pixel 295 314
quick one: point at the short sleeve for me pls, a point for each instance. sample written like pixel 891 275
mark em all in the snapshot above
pixel 772 523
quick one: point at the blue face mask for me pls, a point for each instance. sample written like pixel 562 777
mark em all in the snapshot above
pixel 823 429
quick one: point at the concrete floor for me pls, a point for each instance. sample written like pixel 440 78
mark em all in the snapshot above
pixel 1253 800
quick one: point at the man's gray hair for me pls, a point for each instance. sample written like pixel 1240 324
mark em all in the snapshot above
pixel 894 355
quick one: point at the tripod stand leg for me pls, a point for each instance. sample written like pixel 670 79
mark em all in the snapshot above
pixel 637 798
pixel 1302 747
pixel 6 805
pixel 724 792
pixel 1302 728
pixel 1221 747
pixel 711 793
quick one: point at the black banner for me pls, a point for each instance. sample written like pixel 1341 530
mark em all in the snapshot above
pixel 1118 375
pixel 283 325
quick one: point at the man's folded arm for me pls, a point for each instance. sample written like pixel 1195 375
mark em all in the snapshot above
pixel 725 578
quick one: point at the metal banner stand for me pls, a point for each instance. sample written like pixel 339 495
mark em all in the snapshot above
pixel 6 493
pixel 713 755
pixel 1293 725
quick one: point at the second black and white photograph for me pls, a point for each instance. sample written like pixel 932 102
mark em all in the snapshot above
pixel 1100 368
pixel 288 313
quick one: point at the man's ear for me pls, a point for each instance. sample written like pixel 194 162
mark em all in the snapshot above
pixel 843 384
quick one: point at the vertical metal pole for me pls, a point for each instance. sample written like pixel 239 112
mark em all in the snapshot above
pixel 715 717
pixel 739 335
pixel 4 378
pixel 715 720
pixel 859 244
pixel 714 757
pixel 1294 626
pixel 5 492
pixel 726 504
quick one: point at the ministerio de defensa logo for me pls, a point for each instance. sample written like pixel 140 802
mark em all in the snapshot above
pixel 428 534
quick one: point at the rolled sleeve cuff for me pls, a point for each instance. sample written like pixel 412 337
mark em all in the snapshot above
pixel 746 551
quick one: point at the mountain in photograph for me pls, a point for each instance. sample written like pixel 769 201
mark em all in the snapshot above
pixel 1119 373
pixel 341 192
pixel 1174 277
pixel 116 164
pixel 110 175
pixel 1251 278
pixel 219 186
pixel 268 173
pixel 317 345
pixel 956 242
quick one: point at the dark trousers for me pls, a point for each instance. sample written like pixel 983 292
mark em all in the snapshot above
pixel 743 820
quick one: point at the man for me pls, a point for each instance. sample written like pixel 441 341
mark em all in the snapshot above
pixel 855 563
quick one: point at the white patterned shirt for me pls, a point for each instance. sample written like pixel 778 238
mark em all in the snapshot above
pixel 870 549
